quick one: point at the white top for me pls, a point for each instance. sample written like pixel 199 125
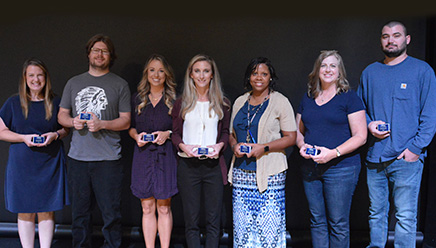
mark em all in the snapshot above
pixel 200 126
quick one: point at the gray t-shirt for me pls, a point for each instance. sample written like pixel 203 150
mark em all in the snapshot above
pixel 105 96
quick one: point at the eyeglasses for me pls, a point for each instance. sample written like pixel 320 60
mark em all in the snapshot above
pixel 97 51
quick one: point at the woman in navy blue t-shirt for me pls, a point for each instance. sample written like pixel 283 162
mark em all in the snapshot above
pixel 331 127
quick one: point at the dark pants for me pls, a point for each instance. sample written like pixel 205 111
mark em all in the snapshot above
pixel 95 182
pixel 196 177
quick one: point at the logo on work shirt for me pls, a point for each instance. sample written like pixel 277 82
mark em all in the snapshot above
pixel 403 86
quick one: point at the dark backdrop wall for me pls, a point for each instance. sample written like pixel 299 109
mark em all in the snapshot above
pixel 291 43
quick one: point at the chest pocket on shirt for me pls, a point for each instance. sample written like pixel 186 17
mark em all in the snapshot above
pixel 404 91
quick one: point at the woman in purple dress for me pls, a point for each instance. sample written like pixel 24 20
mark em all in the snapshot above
pixel 35 184
pixel 154 169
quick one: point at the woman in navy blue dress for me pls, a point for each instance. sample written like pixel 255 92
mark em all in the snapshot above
pixel 35 184
pixel 331 119
pixel 154 168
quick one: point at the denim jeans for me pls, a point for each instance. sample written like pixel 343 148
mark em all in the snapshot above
pixel 329 192
pixel 96 182
pixel 194 178
pixel 404 180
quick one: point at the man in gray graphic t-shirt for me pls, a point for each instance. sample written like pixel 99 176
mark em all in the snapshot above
pixel 102 99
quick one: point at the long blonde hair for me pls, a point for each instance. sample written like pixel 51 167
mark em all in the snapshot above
pixel 215 93
pixel 314 84
pixel 169 85
pixel 46 93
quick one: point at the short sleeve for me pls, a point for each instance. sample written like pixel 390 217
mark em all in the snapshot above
pixel 6 112
pixel 301 106
pixel 354 102
pixel 66 97
pixel 124 102
pixel 287 117
pixel 133 111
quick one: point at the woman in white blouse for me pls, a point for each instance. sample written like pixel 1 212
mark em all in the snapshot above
pixel 201 118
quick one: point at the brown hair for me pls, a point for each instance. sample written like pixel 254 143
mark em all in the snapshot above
pixel 169 86
pixel 24 92
pixel 107 41
pixel 314 84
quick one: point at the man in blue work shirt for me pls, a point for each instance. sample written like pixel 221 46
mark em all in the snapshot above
pixel 398 91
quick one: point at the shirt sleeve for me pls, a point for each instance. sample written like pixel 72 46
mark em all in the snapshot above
pixel 176 136
pixel 66 97
pixel 133 111
pixel 235 108
pixel 427 118
pixel 6 113
pixel 354 103
pixel 361 93
pixel 301 106
pixel 287 117
pixel 124 99
pixel 224 132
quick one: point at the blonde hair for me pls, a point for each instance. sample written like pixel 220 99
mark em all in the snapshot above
pixel 314 84
pixel 169 85
pixel 46 93
pixel 215 93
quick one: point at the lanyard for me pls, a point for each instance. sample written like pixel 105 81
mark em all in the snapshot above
pixel 250 120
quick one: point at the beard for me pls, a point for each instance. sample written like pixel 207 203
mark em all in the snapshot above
pixel 394 53
pixel 102 66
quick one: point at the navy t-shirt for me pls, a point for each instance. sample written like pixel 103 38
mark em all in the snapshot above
pixel 327 125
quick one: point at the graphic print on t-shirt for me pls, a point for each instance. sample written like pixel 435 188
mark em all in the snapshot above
pixel 91 99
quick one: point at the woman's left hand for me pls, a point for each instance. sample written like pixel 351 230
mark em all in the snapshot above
pixel 161 137
pixel 216 150
pixel 257 150
pixel 324 156
pixel 49 137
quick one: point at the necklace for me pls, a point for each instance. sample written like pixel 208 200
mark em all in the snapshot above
pixel 321 97
pixel 250 120
pixel 155 98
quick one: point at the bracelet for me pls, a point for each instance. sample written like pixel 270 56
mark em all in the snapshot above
pixel 58 135
pixel 338 154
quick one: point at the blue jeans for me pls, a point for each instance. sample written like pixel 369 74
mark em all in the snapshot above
pixel 96 183
pixel 329 192
pixel 404 180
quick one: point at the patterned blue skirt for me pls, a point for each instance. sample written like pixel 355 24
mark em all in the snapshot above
pixel 258 219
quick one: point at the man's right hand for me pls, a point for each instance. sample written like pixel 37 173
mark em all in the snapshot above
pixel 78 123
pixel 372 127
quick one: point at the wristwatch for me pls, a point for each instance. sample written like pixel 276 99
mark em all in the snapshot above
pixel 266 148
pixel 338 154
